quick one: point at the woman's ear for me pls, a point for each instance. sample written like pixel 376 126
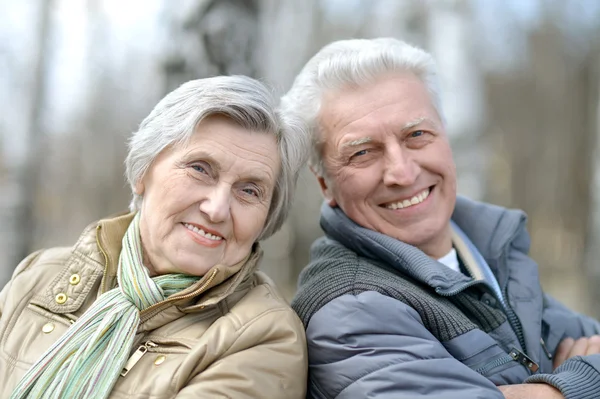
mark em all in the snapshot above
pixel 139 188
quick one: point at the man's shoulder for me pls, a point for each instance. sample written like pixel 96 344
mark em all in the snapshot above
pixel 330 258
pixel 491 227
pixel 334 271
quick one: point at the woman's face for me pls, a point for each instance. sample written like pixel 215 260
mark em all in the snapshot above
pixel 206 202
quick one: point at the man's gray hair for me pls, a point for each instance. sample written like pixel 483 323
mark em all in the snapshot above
pixel 245 101
pixel 352 63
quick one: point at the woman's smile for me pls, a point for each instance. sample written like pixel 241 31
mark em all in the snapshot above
pixel 203 236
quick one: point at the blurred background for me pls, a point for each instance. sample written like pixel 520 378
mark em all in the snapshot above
pixel 521 82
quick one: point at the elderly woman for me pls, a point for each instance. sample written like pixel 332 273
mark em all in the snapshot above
pixel 167 301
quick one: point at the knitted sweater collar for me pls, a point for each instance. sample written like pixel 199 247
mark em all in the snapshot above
pixel 411 261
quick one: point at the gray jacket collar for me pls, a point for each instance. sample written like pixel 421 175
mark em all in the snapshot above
pixel 491 229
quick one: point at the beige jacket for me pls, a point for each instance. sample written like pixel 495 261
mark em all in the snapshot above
pixel 231 335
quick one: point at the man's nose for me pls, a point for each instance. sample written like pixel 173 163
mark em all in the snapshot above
pixel 401 169
pixel 217 204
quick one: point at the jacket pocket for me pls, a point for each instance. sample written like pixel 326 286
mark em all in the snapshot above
pixel 482 354
pixel 31 332
pixel 494 364
pixel 153 368
pixel 154 345
pixel 65 319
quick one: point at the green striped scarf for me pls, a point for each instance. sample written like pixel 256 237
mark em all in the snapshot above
pixel 87 361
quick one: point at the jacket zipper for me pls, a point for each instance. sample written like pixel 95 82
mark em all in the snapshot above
pixel 517 327
pixel 545 348
pixel 504 359
pixel 512 317
pixel 102 288
pixel 545 333
pixel 514 322
pixel 136 356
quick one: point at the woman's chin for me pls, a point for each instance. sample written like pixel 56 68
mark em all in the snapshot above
pixel 194 268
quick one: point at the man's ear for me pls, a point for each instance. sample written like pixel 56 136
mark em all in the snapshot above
pixel 325 189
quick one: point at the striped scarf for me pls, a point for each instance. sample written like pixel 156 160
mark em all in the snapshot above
pixel 88 359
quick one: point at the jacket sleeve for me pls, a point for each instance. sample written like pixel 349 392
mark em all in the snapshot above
pixel 25 263
pixel 578 377
pixel 267 360
pixel 566 322
pixel 371 345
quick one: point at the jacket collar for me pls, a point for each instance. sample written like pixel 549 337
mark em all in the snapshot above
pixel 95 258
pixel 490 228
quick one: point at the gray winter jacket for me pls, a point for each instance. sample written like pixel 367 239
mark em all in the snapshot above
pixel 383 320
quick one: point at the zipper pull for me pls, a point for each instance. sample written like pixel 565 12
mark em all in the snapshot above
pixel 545 348
pixel 525 360
pixel 136 356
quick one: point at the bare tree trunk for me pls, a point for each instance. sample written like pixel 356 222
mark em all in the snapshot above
pixel 29 179
pixel 593 238
pixel 542 144
pixel 208 38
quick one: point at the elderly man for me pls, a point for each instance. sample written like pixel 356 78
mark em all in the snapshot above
pixel 415 292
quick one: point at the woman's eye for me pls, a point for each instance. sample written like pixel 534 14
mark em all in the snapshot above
pixel 250 191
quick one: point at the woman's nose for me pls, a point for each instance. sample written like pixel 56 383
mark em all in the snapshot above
pixel 216 205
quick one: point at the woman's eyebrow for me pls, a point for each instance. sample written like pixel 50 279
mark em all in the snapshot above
pixel 200 155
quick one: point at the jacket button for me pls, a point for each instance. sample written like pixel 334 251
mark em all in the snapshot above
pixel 159 360
pixel 74 279
pixel 48 328
pixel 61 298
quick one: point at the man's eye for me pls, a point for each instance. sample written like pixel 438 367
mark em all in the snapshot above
pixel 199 168
pixel 417 133
pixel 360 153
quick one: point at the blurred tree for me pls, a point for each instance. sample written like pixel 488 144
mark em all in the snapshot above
pixel 543 143
pixel 208 38
pixel 28 179
pixel 82 166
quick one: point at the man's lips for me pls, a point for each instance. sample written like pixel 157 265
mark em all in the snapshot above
pixel 407 202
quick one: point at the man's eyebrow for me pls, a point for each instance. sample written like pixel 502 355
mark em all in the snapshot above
pixel 354 143
pixel 414 123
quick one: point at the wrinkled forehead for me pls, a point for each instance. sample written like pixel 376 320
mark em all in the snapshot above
pixel 227 146
pixel 397 101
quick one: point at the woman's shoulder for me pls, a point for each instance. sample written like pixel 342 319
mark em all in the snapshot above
pixel 35 272
pixel 46 261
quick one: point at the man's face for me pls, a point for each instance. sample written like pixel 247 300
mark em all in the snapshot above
pixel 388 161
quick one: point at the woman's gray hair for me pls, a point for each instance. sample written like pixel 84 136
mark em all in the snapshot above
pixel 351 63
pixel 245 101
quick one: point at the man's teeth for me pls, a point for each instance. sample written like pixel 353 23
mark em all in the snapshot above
pixel 417 199
pixel 202 232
